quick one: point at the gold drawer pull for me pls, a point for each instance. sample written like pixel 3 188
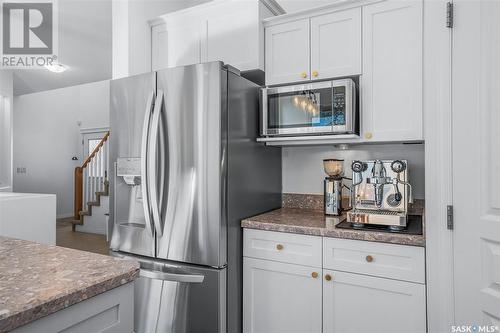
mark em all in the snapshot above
pixel 328 277
pixel 369 258
pixel 315 73
pixel 303 75
pixel 314 275
pixel 279 247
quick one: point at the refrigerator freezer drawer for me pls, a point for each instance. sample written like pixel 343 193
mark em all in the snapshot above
pixel 177 298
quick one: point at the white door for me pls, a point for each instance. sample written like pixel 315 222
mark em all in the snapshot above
pixel 391 84
pixel 354 303
pixel 476 162
pixel 97 175
pixel 336 44
pixel 287 52
pixel 280 298
pixel 159 47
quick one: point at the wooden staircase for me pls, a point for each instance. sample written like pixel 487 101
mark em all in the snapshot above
pixel 90 204
pixel 91 182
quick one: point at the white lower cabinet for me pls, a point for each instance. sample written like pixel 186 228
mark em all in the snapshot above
pixel 281 298
pixel 360 303
pixel 360 286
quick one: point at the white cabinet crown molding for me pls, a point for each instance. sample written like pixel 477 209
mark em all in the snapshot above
pixel 272 5
pixel 318 10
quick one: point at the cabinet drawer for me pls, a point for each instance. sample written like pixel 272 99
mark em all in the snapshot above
pixel 283 247
pixel 392 261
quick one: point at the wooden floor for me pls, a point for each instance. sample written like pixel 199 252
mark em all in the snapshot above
pixel 65 237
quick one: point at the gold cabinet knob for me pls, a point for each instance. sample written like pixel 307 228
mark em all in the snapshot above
pixel 314 275
pixel 303 75
pixel 369 258
pixel 315 73
pixel 368 135
pixel 328 277
pixel 279 247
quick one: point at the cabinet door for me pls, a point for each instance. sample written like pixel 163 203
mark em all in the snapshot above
pixel 159 47
pixel 336 44
pixel 176 44
pixel 360 303
pixel 280 298
pixel 391 86
pixel 232 35
pixel 287 52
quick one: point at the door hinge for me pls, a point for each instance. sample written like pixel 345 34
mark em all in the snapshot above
pixel 449 14
pixel 449 217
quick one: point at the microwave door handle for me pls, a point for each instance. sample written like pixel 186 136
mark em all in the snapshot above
pixel 144 163
pixel 153 164
pixel 174 277
pixel 264 116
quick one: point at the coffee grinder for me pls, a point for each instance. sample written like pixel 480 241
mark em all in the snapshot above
pixel 334 184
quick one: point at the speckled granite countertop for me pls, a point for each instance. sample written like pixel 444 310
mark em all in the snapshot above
pixel 37 280
pixel 314 222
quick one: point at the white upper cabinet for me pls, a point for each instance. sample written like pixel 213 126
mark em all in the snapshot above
pixel 227 30
pixel 391 85
pixel 287 52
pixel 180 45
pixel 336 44
pixel 159 47
pixel 235 35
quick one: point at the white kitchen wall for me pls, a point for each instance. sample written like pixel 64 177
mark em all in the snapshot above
pixel 132 32
pixel 47 136
pixel 303 166
pixel 6 95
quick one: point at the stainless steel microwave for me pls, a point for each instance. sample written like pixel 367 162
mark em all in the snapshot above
pixel 327 107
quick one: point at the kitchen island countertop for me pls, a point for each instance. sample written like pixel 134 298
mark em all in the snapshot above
pixel 37 280
pixel 314 222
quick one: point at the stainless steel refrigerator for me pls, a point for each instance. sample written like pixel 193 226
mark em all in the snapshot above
pixel 186 170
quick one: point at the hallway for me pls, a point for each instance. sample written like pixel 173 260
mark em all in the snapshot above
pixel 65 237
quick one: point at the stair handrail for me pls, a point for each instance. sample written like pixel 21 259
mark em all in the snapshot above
pixel 79 189
pixel 95 151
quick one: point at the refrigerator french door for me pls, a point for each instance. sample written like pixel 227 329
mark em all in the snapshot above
pixel 187 169
pixel 168 194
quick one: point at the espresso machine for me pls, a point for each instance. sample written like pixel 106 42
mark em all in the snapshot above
pixel 334 184
pixel 381 194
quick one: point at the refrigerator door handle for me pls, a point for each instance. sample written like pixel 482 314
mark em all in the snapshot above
pixel 165 276
pixel 144 163
pixel 153 179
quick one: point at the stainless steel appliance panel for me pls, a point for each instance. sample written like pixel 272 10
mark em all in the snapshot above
pixel 175 298
pixel 193 226
pixel 132 101
pixel 254 182
pixel 327 107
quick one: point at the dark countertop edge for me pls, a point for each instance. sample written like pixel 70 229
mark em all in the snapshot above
pixel 315 231
pixel 25 317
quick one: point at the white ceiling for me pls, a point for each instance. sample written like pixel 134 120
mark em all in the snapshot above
pixel 85 43
pixel 84 46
